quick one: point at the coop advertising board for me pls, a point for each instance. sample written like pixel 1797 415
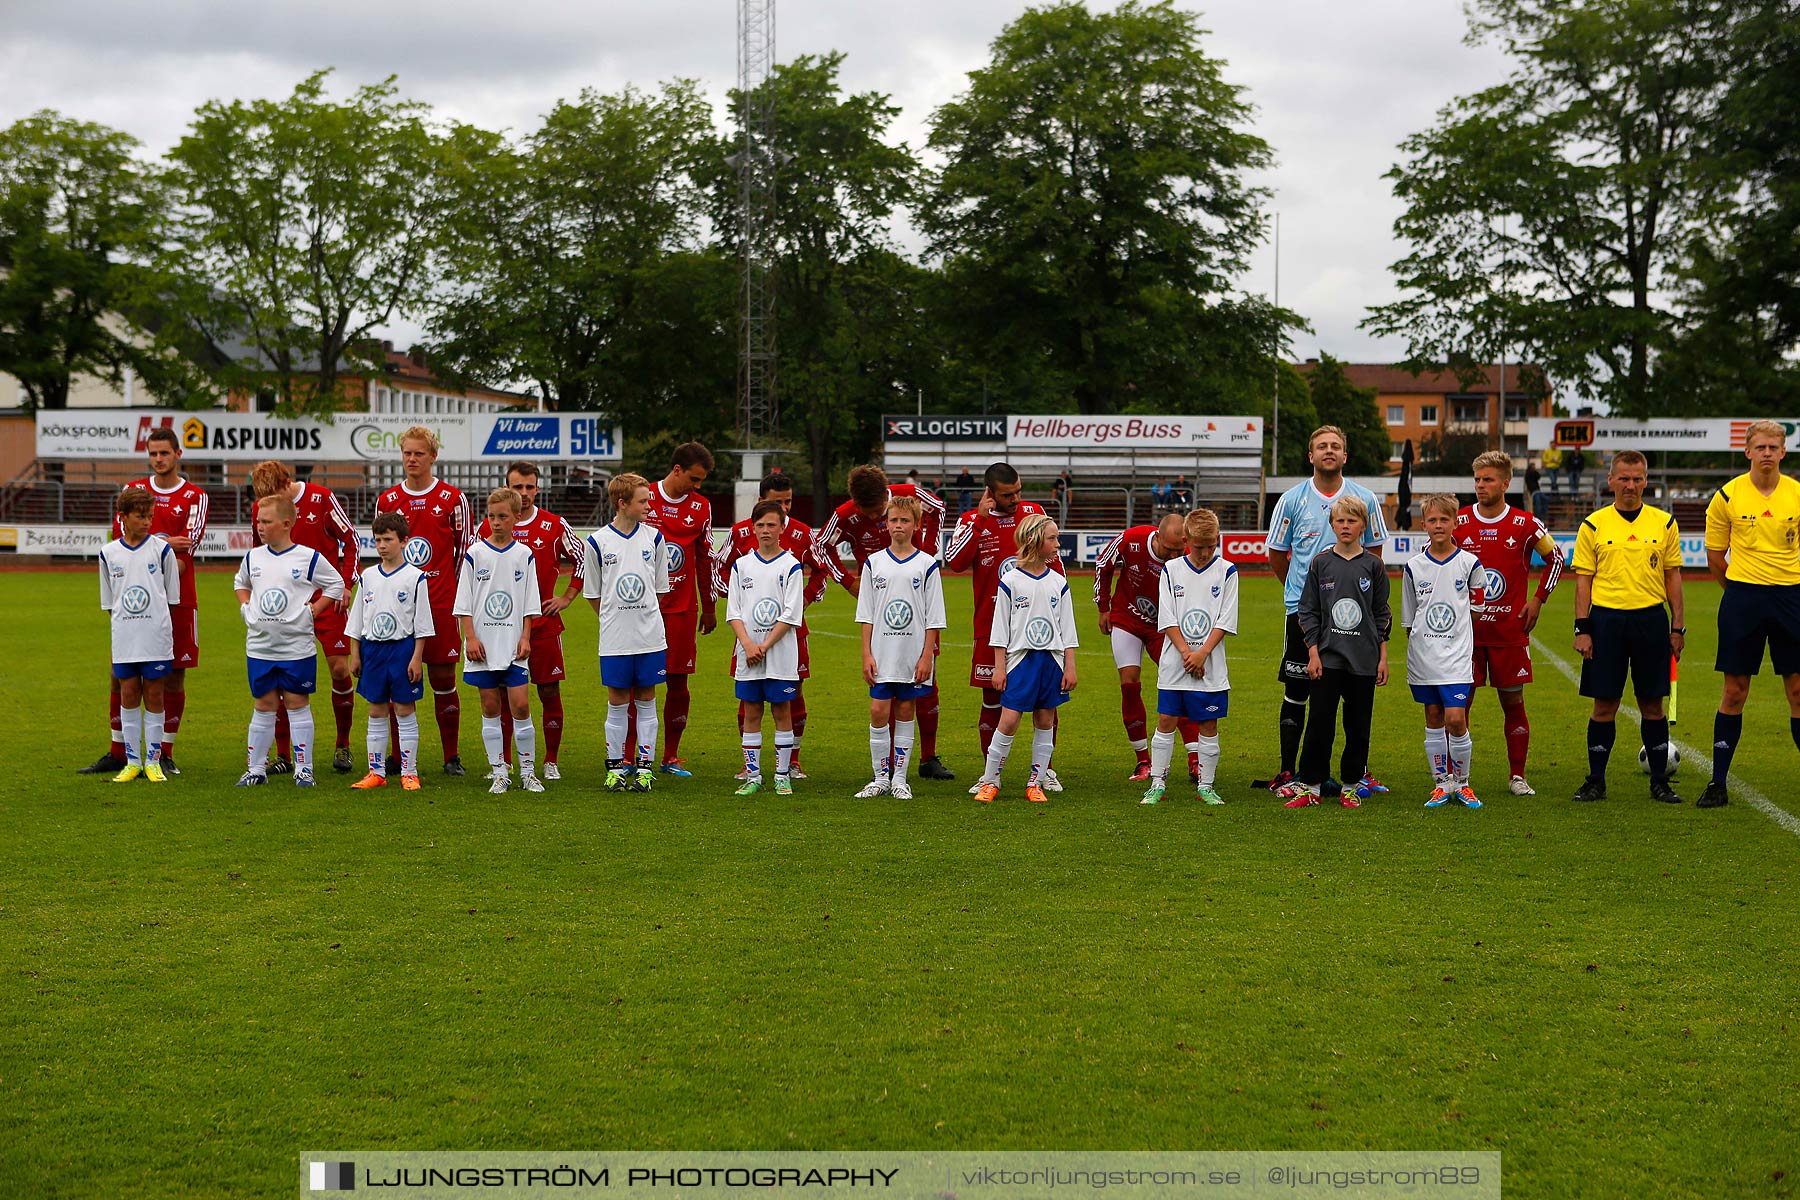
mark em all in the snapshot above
pixel 217 436
pixel 1609 433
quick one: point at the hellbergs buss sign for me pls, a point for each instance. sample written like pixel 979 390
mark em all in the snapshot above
pixel 1136 432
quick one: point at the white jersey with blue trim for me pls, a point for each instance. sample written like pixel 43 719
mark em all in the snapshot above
pixel 626 572
pixel 137 586
pixel 899 598
pixel 1436 606
pixel 391 606
pixel 1033 612
pixel 1195 601
pixel 497 588
pixel 762 593
pixel 1301 525
pixel 281 587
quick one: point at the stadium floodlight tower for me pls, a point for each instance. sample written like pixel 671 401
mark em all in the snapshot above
pixel 756 161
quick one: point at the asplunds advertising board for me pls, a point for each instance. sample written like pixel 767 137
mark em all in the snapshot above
pixel 217 436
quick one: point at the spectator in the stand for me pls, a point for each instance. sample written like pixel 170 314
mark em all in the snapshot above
pixel 1574 461
pixel 1062 491
pixel 1184 495
pixel 965 487
pixel 1160 496
pixel 1535 500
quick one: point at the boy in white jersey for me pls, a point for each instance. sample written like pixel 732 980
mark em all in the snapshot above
pixel 497 599
pixel 765 601
pixel 140 577
pixel 900 606
pixel 388 627
pixel 624 570
pixel 276 585
pixel 1034 622
pixel 1437 588
pixel 1197 605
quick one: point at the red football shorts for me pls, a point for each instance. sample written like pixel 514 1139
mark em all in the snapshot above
pixel 444 646
pixel 682 630
pixel 328 627
pixel 1502 666
pixel 981 665
pixel 546 657
pixel 187 637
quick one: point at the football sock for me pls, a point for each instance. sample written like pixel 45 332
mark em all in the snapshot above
pixel 448 705
pixel 998 749
pixel 174 705
pixel 743 711
pixel 752 743
pixel 676 702
pixel 927 721
pixel 1461 746
pixel 409 743
pixel 1209 759
pixel 1656 741
pixel 1043 745
pixel 645 712
pixel 525 738
pixel 300 723
pixel 1190 737
pixel 493 739
pixel 618 716
pixel 1518 735
pixel 1600 735
pixel 550 696
pixel 131 729
pixel 262 736
pixel 784 751
pixel 904 734
pixel 284 742
pixel 1437 752
pixel 1727 729
pixel 506 730
pixel 1162 749
pixel 1794 731
pixel 630 742
pixel 153 736
pixel 879 743
pixel 343 707
pixel 1293 724
pixel 989 720
pixel 118 734
pixel 797 710
pixel 377 747
pixel 1131 709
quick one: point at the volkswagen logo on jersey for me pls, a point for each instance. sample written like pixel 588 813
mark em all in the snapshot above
pixel 1038 633
pixel 418 551
pixel 1007 564
pixel 498 606
pixel 384 626
pixel 1195 625
pixel 676 557
pixel 272 602
pixel 764 613
pixel 630 588
pixel 898 614
pixel 136 599
pixel 1146 607
pixel 1493 584
pixel 1346 615
pixel 1439 618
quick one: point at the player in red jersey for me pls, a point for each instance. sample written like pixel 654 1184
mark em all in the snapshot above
pixel 796 539
pixel 321 524
pixel 684 518
pixel 1128 616
pixel 861 523
pixel 552 542
pixel 180 520
pixel 1503 538
pixel 983 543
pixel 441 525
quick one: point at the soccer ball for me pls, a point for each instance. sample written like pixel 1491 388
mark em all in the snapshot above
pixel 1644 759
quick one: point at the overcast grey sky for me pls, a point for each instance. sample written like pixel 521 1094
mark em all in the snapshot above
pixel 1336 84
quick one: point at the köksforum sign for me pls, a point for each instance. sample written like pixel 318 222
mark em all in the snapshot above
pixel 1026 432
pixel 213 435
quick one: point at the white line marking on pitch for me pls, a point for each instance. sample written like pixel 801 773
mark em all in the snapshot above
pixel 1758 801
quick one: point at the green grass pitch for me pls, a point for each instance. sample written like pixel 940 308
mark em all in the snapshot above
pixel 201 981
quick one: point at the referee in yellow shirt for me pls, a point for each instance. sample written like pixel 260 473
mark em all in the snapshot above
pixel 1755 520
pixel 1627 567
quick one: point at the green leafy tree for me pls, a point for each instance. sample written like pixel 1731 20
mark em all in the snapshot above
pixel 79 221
pixel 1551 214
pixel 852 340
pixel 1298 417
pixel 313 221
pixel 576 265
pixel 1092 213
pixel 1337 401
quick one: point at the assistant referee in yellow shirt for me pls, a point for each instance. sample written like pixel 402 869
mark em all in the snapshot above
pixel 1627 567
pixel 1753 550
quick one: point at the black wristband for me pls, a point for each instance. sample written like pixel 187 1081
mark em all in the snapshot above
pixel 1584 625
pixel 1681 629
